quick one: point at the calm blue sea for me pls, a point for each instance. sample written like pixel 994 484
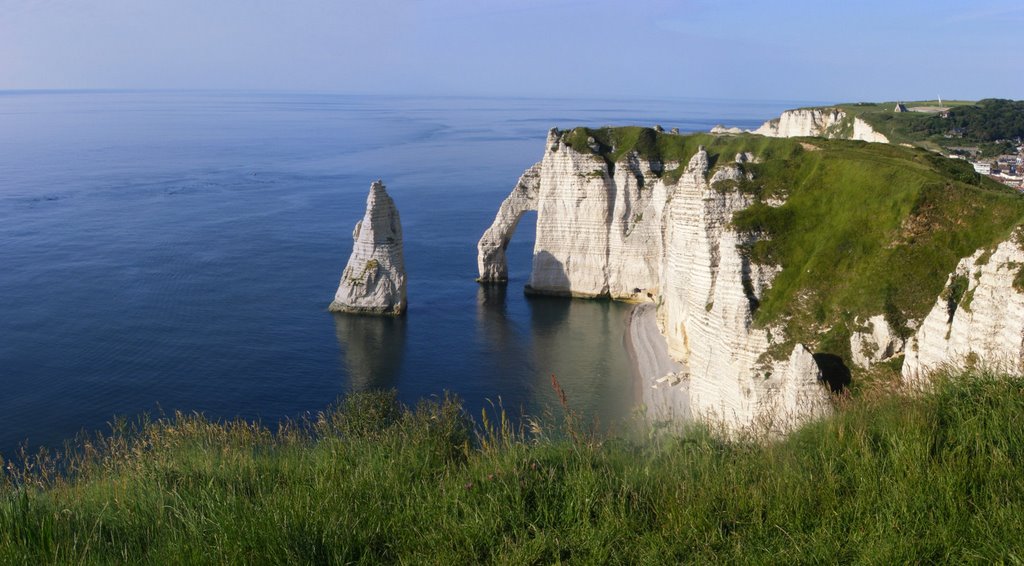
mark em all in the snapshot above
pixel 177 251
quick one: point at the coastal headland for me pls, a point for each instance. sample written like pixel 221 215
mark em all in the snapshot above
pixel 780 266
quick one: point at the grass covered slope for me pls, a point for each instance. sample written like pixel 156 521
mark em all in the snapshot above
pixel 963 123
pixel 868 229
pixel 889 479
pixel 865 229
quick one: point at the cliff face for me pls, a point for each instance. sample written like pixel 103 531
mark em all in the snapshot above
pixel 709 292
pixel 625 231
pixel 820 122
pixel 373 281
pixel 978 318
pixel 802 123
pixel 877 342
pixel 864 132
pixel 598 230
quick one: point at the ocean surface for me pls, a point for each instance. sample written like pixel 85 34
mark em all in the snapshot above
pixel 165 251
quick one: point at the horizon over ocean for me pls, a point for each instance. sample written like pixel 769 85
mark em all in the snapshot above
pixel 177 250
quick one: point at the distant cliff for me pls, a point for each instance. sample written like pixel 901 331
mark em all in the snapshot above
pixel 831 123
pixel 984 128
pixel 770 260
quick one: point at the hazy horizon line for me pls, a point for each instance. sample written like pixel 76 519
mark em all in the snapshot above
pixel 270 91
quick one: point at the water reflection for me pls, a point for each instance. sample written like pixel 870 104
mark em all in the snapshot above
pixel 505 345
pixel 581 342
pixel 492 316
pixel 372 349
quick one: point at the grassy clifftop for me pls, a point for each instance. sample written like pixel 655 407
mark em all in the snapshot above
pixel 985 124
pixel 889 479
pixel 614 143
pixel 866 229
pixel 979 124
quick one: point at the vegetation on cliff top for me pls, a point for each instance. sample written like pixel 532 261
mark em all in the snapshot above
pixel 866 229
pixel 614 143
pixel 979 123
pixel 890 479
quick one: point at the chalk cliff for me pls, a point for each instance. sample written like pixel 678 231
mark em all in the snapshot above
pixel 491 257
pixel 864 132
pixel 720 129
pixel 820 122
pixel 978 318
pixel 709 291
pixel 373 281
pixel 767 264
pixel 876 342
pixel 628 231
pixel 804 122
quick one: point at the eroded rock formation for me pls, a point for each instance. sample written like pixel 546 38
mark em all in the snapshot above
pixel 977 320
pixel 373 281
pixel 819 122
pixel 877 342
pixel 491 248
pixel 864 132
pixel 804 122
pixel 626 232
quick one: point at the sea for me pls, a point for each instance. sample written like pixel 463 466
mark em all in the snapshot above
pixel 176 251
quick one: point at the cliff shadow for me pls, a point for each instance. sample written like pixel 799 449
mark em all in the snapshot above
pixel 372 348
pixel 833 371
pixel 548 312
pixel 581 342
pixel 519 247
pixel 505 343
pixel 548 276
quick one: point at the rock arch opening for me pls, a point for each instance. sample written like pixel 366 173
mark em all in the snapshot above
pixel 492 262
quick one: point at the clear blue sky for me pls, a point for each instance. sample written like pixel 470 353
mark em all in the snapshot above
pixel 745 49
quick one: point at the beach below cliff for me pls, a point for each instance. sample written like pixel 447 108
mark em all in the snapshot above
pixel 662 387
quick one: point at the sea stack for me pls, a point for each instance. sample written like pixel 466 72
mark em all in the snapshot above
pixel 373 281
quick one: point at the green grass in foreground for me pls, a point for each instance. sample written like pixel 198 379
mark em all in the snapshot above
pixel 892 478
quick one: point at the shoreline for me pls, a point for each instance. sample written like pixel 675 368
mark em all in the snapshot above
pixel 664 389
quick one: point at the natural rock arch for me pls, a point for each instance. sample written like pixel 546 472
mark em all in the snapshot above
pixel 631 233
pixel 491 261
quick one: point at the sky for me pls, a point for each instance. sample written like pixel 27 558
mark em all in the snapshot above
pixel 744 49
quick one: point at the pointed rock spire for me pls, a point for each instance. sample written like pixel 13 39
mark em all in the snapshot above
pixel 373 281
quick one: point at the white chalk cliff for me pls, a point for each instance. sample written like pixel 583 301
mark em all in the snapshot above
pixel 491 257
pixel 864 132
pixel 627 233
pixel 819 122
pixel 875 342
pixel 804 122
pixel 978 319
pixel 373 281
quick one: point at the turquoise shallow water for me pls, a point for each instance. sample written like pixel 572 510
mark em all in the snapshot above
pixel 177 251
